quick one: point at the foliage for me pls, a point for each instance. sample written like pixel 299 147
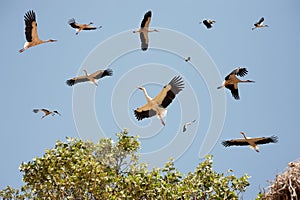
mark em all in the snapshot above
pixel 83 170
pixel 286 186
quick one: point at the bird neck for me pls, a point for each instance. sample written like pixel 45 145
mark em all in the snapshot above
pixel 244 135
pixel 147 96
pixel 85 72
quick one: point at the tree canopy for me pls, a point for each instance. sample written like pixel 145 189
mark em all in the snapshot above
pixel 78 169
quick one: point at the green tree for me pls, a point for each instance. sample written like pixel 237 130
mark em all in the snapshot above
pixel 83 170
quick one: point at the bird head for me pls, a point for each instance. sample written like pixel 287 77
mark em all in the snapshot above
pixel 250 81
pixel 243 133
pixel 91 23
pixel 55 111
pixel 139 87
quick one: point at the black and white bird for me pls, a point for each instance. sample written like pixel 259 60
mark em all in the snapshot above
pixel 157 106
pixel 80 27
pixel 187 124
pixel 144 29
pixel 252 142
pixel 46 112
pixel 208 23
pixel 231 81
pixel 93 78
pixel 260 24
pixel 31 34
pixel 187 59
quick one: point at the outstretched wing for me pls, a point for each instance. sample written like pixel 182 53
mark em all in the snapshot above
pixel 144 40
pixel 76 80
pixel 266 140
pixel 168 93
pixel 144 112
pixel 207 24
pixel 101 73
pixel 146 20
pixel 30 26
pixel 73 23
pixel 234 91
pixel 240 71
pixel 236 142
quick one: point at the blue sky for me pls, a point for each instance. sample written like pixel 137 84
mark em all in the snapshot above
pixel 36 79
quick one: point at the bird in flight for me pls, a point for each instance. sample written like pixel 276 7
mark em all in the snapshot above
pixel 157 106
pixel 260 24
pixel 46 112
pixel 187 59
pixel 144 29
pixel 186 125
pixel 31 34
pixel 252 142
pixel 208 23
pixel 93 78
pixel 80 27
pixel 231 81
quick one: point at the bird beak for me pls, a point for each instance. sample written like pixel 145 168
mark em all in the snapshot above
pixel 139 87
pixel 53 40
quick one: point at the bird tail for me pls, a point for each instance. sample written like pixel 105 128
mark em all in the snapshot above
pixel 108 72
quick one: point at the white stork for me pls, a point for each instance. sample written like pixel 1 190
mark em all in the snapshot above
pixel 252 142
pixel 93 78
pixel 186 125
pixel 208 23
pixel 260 24
pixel 144 29
pixel 231 81
pixel 80 27
pixel 46 112
pixel 187 59
pixel 157 106
pixel 31 33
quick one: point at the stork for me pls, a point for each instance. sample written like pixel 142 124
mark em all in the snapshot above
pixel 208 23
pixel 31 33
pixel 144 29
pixel 186 125
pixel 252 142
pixel 187 59
pixel 157 106
pixel 80 27
pixel 93 78
pixel 46 112
pixel 260 24
pixel 231 81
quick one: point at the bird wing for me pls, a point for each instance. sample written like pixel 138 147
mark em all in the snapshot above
pixel 184 128
pixel 73 23
pixel 235 142
pixel 30 26
pixel 167 94
pixel 144 40
pixel 144 112
pixel 101 73
pixel 207 24
pixel 261 20
pixel 234 90
pixel 240 71
pixel 146 20
pixel 75 80
pixel 45 110
pixel 89 28
pixel 265 140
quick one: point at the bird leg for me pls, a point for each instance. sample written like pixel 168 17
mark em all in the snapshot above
pixel 162 121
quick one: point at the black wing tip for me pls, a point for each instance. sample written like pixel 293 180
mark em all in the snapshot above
pixel 35 110
pixel 148 13
pixel 71 21
pixel 225 143
pixel 108 72
pixel 137 116
pixel 178 81
pixel 274 139
pixel 29 16
pixel 70 82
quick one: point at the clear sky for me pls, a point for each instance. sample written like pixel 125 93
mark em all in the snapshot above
pixel 36 79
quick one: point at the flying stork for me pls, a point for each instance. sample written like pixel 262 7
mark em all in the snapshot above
pixel 31 33
pixel 231 81
pixel 208 23
pixel 252 142
pixel 260 24
pixel 187 59
pixel 93 78
pixel 46 112
pixel 157 106
pixel 144 29
pixel 186 125
pixel 80 27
